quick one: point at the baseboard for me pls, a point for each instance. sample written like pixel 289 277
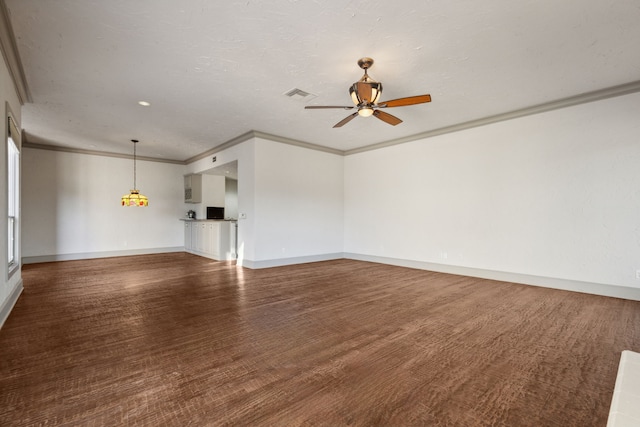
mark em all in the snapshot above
pixel 279 262
pixel 7 306
pixel 106 254
pixel 228 256
pixel 623 292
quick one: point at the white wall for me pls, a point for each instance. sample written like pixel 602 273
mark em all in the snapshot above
pixel 244 154
pixel 212 195
pixel 71 206
pixel 299 202
pixel 554 195
pixel 292 199
pixel 212 191
pixel 231 198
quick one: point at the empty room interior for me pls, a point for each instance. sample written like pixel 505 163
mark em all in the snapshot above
pixel 320 213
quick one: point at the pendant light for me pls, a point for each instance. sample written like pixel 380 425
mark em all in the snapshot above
pixel 134 198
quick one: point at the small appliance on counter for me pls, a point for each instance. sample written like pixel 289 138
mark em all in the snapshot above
pixel 191 214
pixel 214 212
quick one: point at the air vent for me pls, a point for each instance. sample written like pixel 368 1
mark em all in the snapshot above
pixel 299 94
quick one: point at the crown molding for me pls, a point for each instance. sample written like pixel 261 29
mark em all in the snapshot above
pixel 37 146
pixel 597 95
pixel 297 143
pixel 230 143
pixel 11 55
pixel 262 135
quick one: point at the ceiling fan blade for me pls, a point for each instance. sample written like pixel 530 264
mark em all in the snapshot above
pixel 386 117
pixel 345 120
pixel 317 107
pixel 409 100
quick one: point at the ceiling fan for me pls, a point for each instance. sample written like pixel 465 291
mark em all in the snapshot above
pixel 365 94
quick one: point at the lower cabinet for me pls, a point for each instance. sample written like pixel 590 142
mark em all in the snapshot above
pixel 188 240
pixel 210 239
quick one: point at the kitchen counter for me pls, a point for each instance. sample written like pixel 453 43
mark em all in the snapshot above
pixel 211 238
pixel 205 220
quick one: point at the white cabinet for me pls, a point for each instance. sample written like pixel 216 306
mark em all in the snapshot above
pixel 193 188
pixel 188 241
pixel 199 236
pixel 208 233
pixel 233 240
pixel 211 239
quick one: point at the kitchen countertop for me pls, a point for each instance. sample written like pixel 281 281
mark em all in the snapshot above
pixel 205 220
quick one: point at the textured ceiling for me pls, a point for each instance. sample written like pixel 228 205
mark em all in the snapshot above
pixel 215 70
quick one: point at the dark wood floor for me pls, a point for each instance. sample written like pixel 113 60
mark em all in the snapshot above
pixel 175 339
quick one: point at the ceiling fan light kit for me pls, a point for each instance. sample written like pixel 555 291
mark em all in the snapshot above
pixel 365 94
pixel 365 111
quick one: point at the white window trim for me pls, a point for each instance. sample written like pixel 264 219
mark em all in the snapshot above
pixel 13 196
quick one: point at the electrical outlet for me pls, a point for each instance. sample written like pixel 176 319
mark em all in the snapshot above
pixel 638 274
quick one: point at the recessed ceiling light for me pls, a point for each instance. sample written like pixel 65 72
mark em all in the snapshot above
pixel 144 103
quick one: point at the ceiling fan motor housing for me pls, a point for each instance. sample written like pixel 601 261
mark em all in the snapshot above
pixel 365 93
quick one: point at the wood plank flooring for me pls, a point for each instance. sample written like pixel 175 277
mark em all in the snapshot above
pixel 178 340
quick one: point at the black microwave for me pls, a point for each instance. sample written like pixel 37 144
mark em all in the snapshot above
pixel 215 213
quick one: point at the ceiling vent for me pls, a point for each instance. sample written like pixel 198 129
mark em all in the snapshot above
pixel 299 94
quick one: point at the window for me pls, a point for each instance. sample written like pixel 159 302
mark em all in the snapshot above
pixel 13 195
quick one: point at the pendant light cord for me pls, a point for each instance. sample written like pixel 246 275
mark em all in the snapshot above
pixel 135 141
